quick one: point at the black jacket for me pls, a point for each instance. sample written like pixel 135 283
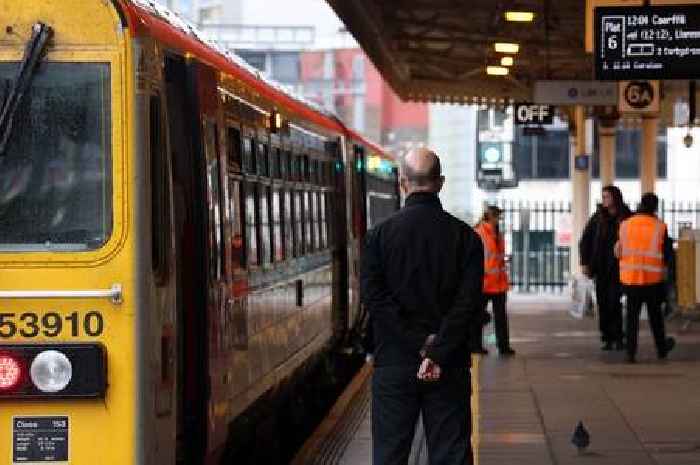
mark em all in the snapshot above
pixel 597 244
pixel 422 273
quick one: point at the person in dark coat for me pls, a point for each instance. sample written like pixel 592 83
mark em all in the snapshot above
pixel 598 261
pixel 421 279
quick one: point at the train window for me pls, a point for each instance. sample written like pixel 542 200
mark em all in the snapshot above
pixel 288 164
pixel 315 217
pixel 264 229
pixel 296 169
pixel 56 181
pixel 305 170
pixel 330 218
pixel 234 155
pixel 251 233
pixel 236 206
pixel 323 220
pixel 289 233
pixel 299 243
pixel 277 226
pixel 216 222
pixel 249 155
pixel 160 190
pixel 308 223
pixel 263 160
pixel 313 171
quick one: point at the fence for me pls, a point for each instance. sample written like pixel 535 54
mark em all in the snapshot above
pixel 538 246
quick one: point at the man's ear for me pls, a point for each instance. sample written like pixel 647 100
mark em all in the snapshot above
pixel 441 182
pixel 403 184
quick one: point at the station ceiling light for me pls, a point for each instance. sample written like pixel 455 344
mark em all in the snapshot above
pixel 506 47
pixel 520 16
pixel 496 70
pixel 507 61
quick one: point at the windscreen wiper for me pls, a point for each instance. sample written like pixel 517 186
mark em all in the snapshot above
pixel 41 35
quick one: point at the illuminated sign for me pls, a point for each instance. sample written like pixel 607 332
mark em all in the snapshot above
pixel 653 42
pixel 531 113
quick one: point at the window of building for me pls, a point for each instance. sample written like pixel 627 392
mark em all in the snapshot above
pixel 289 231
pixel 254 59
pixel 286 67
pixel 628 149
pixel 542 157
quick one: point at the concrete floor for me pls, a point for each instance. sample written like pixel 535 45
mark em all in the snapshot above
pixel 526 408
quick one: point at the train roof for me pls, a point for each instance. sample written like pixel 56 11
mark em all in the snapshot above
pixel 147 17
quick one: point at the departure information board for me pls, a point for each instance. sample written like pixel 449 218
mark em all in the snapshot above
pixel 653 42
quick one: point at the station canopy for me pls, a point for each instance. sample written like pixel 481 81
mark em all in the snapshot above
pixel 440 50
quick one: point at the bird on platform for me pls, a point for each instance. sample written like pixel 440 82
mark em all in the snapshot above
pixel 581 438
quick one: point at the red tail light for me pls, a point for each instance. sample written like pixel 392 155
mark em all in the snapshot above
pixel 10 372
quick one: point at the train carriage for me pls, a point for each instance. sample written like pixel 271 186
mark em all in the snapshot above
pixel 179 240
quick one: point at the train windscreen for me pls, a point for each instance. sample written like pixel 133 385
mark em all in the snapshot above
pixel 55 173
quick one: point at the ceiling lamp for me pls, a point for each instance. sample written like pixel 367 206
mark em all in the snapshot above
pixel 506 47
pixel 507 61
pixel 520 16
pixel 496 71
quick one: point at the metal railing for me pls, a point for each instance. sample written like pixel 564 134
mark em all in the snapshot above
pixel 539 261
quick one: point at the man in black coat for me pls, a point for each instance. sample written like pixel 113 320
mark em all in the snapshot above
pixel 422 272
pixel 598 261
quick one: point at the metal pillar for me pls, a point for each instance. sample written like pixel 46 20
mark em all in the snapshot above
pixel 607 154
pixel 647 162
pixel 581 184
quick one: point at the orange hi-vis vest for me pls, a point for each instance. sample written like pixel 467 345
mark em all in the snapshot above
pixel 495 273
pixel 642 250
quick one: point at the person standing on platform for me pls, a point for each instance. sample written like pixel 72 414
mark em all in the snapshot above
pixel 421 278
pixel 495 281
pixel 643 249
pixel 598 262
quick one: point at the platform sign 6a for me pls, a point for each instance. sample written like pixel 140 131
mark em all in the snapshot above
pixel 532 113
pixel 639 97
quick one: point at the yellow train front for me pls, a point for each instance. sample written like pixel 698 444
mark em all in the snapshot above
pixel 68 255
pixel 179 242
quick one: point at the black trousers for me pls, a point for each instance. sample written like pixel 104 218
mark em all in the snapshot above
pixel 500 320
pixel 608 292
pixel 652 296
pixel 398 398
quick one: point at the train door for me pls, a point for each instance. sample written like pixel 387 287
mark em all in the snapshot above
pixel 358 228
pixel 337 214
pixel 189 224
pixel 159 338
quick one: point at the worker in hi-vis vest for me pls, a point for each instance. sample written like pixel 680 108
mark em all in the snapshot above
pixel 644 250
pixel 495 281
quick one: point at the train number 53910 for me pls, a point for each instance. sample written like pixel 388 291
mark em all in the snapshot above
pixel 51 324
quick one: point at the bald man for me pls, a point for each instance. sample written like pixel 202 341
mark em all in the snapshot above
pixel 422 272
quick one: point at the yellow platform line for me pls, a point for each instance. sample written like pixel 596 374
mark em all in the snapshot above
pixel 476 438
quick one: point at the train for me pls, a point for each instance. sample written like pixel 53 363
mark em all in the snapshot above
pixel 179 241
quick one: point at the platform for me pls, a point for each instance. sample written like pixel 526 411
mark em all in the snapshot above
pixel 526 408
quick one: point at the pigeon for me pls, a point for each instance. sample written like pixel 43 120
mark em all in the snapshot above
pixel 581 439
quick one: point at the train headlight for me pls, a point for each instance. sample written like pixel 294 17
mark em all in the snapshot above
pixel 51 371
pixel 10 372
